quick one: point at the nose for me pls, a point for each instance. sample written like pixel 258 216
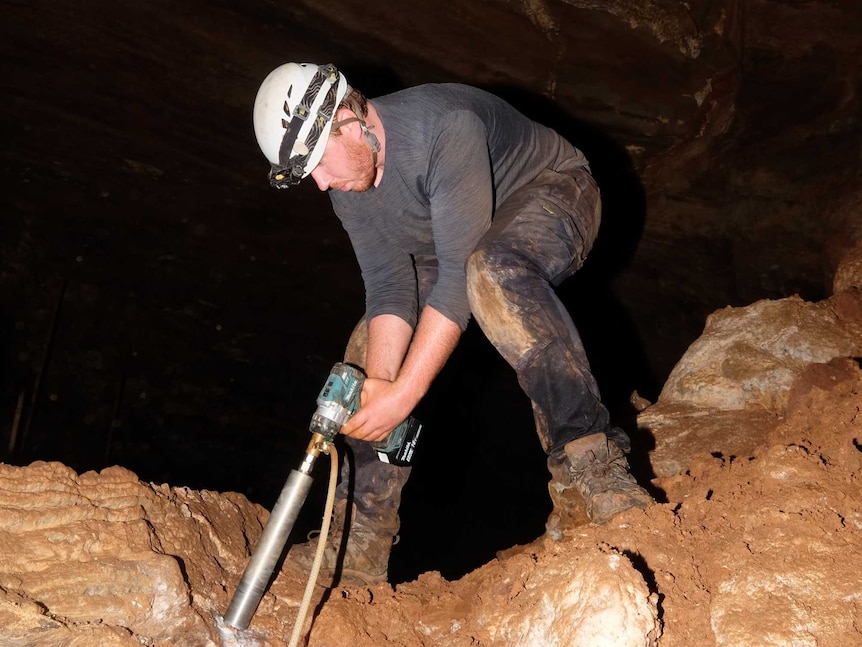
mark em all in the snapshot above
pixel 321 178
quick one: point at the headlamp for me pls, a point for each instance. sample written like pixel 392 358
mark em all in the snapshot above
pixel 284 177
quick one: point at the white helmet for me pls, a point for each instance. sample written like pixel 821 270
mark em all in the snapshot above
pixel 293 114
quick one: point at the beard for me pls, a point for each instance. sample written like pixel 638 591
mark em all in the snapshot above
pixel 362 164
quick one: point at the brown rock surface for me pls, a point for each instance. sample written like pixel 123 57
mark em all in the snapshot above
pixel 758 547
pixel 105 555
pixel 732 385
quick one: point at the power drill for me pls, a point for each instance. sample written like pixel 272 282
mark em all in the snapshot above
pixel 339 400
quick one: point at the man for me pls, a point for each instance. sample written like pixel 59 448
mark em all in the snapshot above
pixel 456 205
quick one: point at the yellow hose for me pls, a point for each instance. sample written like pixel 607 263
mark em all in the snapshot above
pixel 327 448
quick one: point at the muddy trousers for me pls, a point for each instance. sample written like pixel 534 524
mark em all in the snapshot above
pixel 540 236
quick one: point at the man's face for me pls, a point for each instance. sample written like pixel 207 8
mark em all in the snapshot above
pixel 347 163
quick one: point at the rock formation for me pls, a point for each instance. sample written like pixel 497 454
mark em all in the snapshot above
pixel 756 540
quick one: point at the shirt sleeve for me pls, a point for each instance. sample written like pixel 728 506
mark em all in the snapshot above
pixel 460 188
pixel 387 272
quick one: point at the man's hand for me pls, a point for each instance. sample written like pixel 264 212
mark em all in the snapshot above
pixel 382 408
pixel 393 389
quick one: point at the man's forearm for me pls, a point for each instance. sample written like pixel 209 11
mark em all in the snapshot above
pixel 412 362
pixel 388 339
pixel 435 339
pixel 401 366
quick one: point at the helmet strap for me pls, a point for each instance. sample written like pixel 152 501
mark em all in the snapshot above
pixel 291 167
pixel 369 136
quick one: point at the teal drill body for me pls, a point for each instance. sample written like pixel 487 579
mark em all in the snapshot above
pixel 339 400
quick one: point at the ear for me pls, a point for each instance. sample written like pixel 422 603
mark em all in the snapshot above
pixel 351 128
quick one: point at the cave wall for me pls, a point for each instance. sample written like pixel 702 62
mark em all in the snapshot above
pixel 740 121
pixel 164 309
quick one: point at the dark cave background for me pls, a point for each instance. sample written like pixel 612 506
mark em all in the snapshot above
pixel 164 309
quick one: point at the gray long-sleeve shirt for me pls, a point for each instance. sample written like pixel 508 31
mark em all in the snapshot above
pixel 453 152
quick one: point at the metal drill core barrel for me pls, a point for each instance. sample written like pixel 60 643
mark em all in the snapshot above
pixel 268 550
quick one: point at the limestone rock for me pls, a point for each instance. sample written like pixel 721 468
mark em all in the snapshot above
pixel 590 597
pixel 848 274
pixel 750 356
pixel 796 580
pixel 732 384
pixel 594 599
pixel 107 557
pixel 763 549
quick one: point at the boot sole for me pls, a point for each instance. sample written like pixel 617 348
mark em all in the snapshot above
pixel 360 577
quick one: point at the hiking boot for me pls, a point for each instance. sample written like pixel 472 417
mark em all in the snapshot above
pixel 599 471
pixel 359 554
pixel 570 510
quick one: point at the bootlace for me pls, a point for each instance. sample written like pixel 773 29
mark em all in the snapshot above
pixel 338 530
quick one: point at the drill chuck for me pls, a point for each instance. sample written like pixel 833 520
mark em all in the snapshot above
pixel 328 420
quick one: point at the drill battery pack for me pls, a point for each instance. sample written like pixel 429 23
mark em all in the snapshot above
pixel 398 447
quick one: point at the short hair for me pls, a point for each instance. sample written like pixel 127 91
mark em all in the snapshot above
pixel 356 102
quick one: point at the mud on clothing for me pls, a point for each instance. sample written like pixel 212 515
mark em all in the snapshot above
pixel 479 211
pixel 453 154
